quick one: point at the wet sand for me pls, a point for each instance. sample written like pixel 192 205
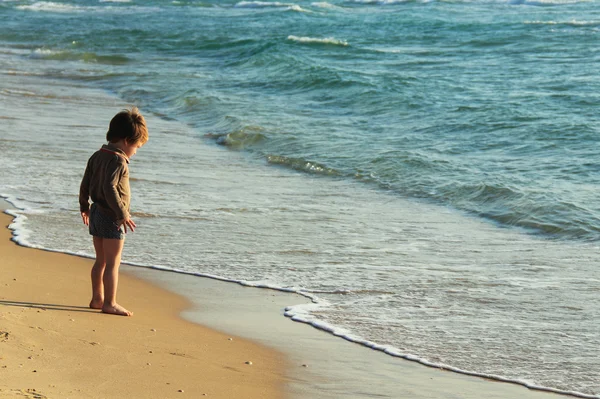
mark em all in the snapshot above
pixel 322 366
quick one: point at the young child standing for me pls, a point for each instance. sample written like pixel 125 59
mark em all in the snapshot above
pixel 106 182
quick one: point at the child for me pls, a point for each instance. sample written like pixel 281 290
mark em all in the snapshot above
pixel 106 181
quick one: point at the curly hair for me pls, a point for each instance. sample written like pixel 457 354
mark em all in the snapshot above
pixel 128 124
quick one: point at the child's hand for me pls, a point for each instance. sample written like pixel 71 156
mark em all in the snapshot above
pixel 129 223
pixel 85 216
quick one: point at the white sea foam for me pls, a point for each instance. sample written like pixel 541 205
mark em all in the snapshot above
pixel 20 234
pixel 388 50
pixel 52 7
pixel 49 6
pixel 546 2
pixel 314 40
pixel 44 52
pixel 572 22
pixel 513 2
pixel 298 8
pixel 304 313
pixel 324 4
pixel 264 4
pixel 380 2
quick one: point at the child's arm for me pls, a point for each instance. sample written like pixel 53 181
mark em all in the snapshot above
pixel 116 172
pixel 84 195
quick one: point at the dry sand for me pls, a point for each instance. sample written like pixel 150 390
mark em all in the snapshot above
pixel 53 346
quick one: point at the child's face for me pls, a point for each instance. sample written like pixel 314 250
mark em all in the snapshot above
pixel 131 148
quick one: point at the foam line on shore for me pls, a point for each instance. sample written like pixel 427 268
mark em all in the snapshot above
pixel 300 313
pixel 392 351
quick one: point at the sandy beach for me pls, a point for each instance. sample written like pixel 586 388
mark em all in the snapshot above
pixel 53 346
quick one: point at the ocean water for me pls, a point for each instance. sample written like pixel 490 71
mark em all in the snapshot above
pixel 425 171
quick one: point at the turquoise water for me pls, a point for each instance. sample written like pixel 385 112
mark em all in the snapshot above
pixel 489 107
pixel 425 170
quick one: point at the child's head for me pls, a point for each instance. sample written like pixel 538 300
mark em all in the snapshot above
pixel 128 125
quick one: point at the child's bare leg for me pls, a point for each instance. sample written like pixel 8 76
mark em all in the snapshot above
pixel 112 256
pixel 97 274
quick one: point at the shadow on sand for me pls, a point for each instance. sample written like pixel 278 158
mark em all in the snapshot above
pixel 47 306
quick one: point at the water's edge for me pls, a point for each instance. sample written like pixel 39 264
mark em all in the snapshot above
pixel 298 313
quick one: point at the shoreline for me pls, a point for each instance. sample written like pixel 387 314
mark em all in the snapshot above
pixel 306 362
pixel 53 345
pixel 300 386
pixel 324 366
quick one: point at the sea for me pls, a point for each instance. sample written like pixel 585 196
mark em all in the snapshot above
pixel 426 172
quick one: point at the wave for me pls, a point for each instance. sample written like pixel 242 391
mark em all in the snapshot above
pixel 546 2
pixel 261 4
pixel 511 2
pixel 192 3
pixel 313 40
pixel 566 23
pixel 380 2
pixel 50 6
pixel 89 57
pixel 324 4
pixel 386 50
pixel 510 206
pixel 502 204
pixel 239 139
pixel 302 313
pixel 302 165
pixel 264 4
pixel 298 8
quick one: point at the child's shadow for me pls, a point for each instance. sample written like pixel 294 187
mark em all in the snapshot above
pixel 47 306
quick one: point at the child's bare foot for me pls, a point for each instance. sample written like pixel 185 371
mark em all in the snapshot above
pixel 96 303
pixel 116 309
